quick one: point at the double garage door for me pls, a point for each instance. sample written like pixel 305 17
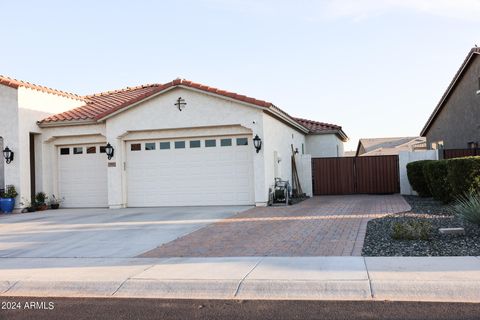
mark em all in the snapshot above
pixel 180 172
pixel 190 172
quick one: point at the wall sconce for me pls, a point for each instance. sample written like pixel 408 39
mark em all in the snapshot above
pixel 257 143
pixel 8 155
pixel 109 151
pixel 296 150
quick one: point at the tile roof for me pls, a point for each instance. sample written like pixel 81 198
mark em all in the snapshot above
pixel 317 127
pixel 101 105
pixel 14 83
pixel 471 54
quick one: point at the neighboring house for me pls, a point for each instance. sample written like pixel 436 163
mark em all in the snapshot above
pixel 455 122
pixel 179 143
pixel 349 153
pixel 389 146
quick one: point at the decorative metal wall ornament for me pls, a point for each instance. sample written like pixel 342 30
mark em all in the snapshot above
pixel 8 155
pixel 180 104
pixel 109 150
pixel 257 143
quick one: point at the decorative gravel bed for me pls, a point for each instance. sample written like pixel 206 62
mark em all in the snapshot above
pixel 379 242
pixel 427 205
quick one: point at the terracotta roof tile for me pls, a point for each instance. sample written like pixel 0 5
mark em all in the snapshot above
pixel 103 104
pixel 100 105
pixel 14 83
pixel 316 127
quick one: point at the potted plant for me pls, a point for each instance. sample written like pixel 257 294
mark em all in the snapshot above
pixel 7 201
pixel 54 202
pixel 28 206
pixel 41 201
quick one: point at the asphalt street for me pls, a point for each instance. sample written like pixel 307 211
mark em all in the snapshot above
pixel 14 308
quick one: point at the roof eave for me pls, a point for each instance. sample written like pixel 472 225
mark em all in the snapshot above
pixel 64 123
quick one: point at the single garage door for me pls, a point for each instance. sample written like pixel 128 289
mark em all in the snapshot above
pixel 190 172
pixel 82 176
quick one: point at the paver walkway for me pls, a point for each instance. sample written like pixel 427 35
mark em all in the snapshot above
pixel 320 226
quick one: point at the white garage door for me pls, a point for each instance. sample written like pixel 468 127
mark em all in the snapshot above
pixel 82 176
pixel 189 172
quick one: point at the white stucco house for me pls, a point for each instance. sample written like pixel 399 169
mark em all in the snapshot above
pixel 199 154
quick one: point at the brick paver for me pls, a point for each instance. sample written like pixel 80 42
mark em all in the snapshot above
pixel 320 226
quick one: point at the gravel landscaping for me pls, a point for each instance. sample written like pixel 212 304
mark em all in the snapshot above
pixel 379 241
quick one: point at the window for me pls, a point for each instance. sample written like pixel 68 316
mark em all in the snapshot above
pixel 195 144
pixel 135 147
pixel 210 143
pixel 242 142
pixel 303 148
pixel 179 144
pixel 102 149
pixel 78 150
pixel 164 145
pixel 150 146
pixel 92 150
pixel 64 151
pixel 226 142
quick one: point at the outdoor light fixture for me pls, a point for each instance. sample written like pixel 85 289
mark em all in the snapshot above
pixel 8 155
pixel 296 150
pixel 109 151
pixel 180 103
pixel 257 143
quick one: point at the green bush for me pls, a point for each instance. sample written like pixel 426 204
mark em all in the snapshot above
pixel 417 179
pixel 464 176
pixel 10 192
pixel 411 230
pixel 436 175
pixel 468 207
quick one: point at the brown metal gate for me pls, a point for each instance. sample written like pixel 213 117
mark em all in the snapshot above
pixel 349 175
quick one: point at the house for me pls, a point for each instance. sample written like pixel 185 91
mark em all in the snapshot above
pixel 454 124
pixel 389 146
pixel 178 143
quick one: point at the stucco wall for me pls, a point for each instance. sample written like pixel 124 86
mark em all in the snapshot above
pixel 202 110
pixel 34 105
pixel 324 145
pixel 9 121
pixel 277 140
pixel 404 158
pixel 459 121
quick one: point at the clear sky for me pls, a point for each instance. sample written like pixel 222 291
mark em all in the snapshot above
pixel 375 67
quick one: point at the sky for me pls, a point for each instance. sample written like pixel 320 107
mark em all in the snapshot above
pixel 376 67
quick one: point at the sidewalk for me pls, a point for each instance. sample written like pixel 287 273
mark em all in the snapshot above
pixel 304 278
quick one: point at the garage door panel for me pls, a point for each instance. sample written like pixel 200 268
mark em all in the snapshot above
pixel 82 178
pixel 190 176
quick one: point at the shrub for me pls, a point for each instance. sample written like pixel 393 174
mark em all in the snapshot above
pixel 10 192
pixel 417 179
pixel 411 230
pixel 40 198
pixel 436 174
pixel 467 207
pixel 464 176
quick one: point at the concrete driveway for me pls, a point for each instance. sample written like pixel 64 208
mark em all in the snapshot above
pixel 95 233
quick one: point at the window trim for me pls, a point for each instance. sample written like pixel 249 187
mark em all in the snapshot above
pixel 226 139
pixel 151 144
pixel 180 141
pixel 163 143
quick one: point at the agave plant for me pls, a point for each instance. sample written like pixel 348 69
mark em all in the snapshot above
pixel 468 208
